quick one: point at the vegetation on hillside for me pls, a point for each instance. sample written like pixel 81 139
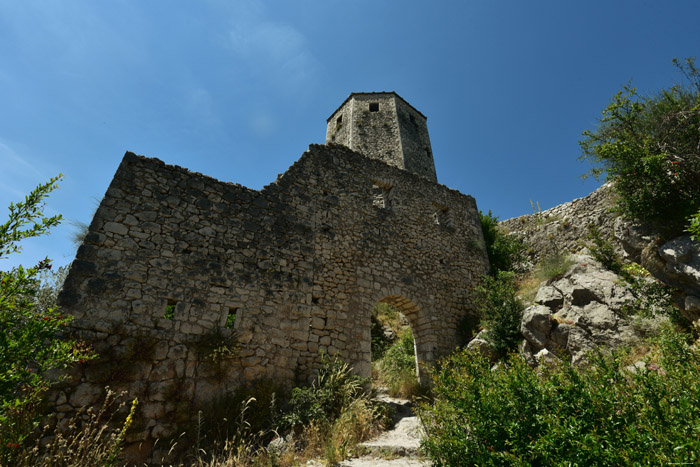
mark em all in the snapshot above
pixel 30 346
pixel 504 251
pixel 634 406
pixel 649 146
pixel 608 413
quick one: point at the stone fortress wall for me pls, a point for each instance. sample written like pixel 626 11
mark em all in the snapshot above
pixel 190 287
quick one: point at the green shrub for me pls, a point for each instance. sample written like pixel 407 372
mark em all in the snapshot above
pixel 602 250
pixel 552 267
pixel 694 226
pixel 398 368
pixel 648 146
pixel 384 316
pixel 504 251
pixel 500 310
pixel 603 414
pixel 333 391
pixel 29 344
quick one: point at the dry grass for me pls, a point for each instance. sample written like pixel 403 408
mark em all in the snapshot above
pixel 549 268
pixel 89 438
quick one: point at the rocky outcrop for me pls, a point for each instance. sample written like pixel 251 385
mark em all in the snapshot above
pixel 577 312
pixel 562 229
pixel 677 263
pixel 582 309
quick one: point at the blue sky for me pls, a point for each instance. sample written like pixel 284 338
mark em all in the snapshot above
pixel 238 89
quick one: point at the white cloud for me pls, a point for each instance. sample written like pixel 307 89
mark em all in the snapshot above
pixel 262 124
pixel 274 51
pixel 17 172
pixel 201 104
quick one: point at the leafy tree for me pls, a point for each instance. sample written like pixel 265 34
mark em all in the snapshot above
pixel 649 146
pixel 29 342
pixel 500 310
pixel 504 250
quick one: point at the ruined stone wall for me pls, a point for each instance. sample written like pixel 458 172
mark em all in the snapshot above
pixel 172 256
pixel 415 141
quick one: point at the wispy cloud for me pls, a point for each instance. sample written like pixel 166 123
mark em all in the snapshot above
pixel 201 104
pixel 17 172
pixel 274 51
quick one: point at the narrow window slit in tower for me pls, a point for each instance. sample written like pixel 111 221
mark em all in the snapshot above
pixel 374 106
pixel 412 117
pixel 339 120
pixel 231 318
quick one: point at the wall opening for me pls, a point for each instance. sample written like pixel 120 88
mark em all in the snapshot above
pixel 381 194
pixel 374 106
pixel 442 216
pixel 393 351
pixel 169 312
pixel 231 315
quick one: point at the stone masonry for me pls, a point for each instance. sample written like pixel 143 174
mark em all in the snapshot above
pixel 383 126
pixel 190 287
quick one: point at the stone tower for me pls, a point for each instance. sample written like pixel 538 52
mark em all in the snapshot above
pixel 383 126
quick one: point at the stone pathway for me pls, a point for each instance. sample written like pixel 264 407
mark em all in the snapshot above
pixel 397 447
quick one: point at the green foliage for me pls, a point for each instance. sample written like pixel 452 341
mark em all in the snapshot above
pixel 334 389
pixel 648 145
pixel 694 226
pixel 553 266
pixel 50 283
pixel 169 312
pixel 249 412
pixel 380 342
pixel 385 316
pixel 504 251
pixel 604 414
pixel 398 368
pixel 29 346
pixel 29 211
pixel 501 311
pixel 603 251
pixel 651 299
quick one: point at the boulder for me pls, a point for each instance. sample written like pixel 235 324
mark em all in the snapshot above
pixel 677 263
pixel 632 236
pixel 692 308
pixel 481 344
pixel 577 312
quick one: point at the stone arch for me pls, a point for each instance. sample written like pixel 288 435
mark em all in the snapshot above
pixel 415 311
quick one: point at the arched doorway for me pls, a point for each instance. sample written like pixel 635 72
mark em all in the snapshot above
pixel 401 342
